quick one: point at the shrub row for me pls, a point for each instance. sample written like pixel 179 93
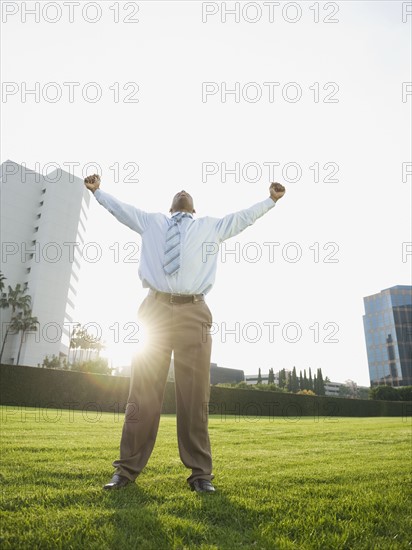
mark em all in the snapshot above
pixel 389 393
pixel 47 388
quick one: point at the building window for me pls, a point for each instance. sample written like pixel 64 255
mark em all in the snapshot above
pixel 41 203
pixel 33 243
pixel 36 229
pixel 38 216
pixel 28 270
pixel 43 191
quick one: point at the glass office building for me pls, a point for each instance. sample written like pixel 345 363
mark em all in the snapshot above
pixel 388 333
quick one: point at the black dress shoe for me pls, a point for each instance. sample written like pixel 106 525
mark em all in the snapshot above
pixel 202 486
pixel 117 482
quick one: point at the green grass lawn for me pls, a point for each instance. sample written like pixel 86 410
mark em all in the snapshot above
pixel 313 483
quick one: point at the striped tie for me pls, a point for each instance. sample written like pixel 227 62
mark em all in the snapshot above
pixel 172 253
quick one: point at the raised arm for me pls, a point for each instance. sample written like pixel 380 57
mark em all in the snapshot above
pixel 235 223
pixel 126 213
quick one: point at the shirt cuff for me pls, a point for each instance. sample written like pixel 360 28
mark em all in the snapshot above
pixel 269 202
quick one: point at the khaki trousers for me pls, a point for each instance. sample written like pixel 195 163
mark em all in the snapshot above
pixel 183 329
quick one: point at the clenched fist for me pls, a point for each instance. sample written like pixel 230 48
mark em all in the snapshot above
pixel 276 191
pixel 92 182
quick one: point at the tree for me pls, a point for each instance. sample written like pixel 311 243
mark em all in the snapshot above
pixel 310 380
pixel 17 299
pixel 259 378
pixel 282 378
pixel 345 391
pixel 272 387
pixel 305 381
pixel 300 380
pixel 55 362
pixel 74 341
pixel 389 393
pixel 349 389
pixel 4 304
pixel 289 382
pixel 363 393
pixel 82 340
pixel 23 322
pixel 405 393
pixel 271 377
pixel 294 381
pixel 2 279
pixel 100 366
pixel 385 393
pixel 98 345
pixel 320 383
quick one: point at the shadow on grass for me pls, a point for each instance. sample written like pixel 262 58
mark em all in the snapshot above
pixel 163 515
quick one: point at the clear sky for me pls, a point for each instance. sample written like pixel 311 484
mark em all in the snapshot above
pixel 319 108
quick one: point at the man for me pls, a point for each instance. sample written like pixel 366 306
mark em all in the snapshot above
pixel 178 272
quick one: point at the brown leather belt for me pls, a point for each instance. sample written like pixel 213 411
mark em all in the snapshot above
pixel 176 298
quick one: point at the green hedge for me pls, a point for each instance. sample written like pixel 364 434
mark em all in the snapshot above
pixel 48 388
pixel 250 403
pixel 51 388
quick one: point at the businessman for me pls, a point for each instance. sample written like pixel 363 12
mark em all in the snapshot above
pixel 179 274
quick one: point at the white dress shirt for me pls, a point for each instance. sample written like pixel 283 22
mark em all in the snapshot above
pixel 200 239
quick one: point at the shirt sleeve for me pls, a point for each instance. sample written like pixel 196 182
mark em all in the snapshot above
pixel 127 214
pixel 235 223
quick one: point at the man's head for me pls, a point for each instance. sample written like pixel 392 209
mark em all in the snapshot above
pixel 182 202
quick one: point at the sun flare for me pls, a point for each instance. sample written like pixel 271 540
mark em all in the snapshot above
pixel 121 352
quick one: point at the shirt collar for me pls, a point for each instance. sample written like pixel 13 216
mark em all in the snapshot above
pixel 187 213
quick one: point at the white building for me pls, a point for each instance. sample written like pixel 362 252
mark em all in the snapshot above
pixel 43 221
pixel 252 379
pixel 332 388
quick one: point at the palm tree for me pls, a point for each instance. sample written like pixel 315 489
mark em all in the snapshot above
pixel 3 296
pixel 74 340
pixel 23 322
pixel 98 345
pixel 17 299
pixel 85 342
pixel 2 279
